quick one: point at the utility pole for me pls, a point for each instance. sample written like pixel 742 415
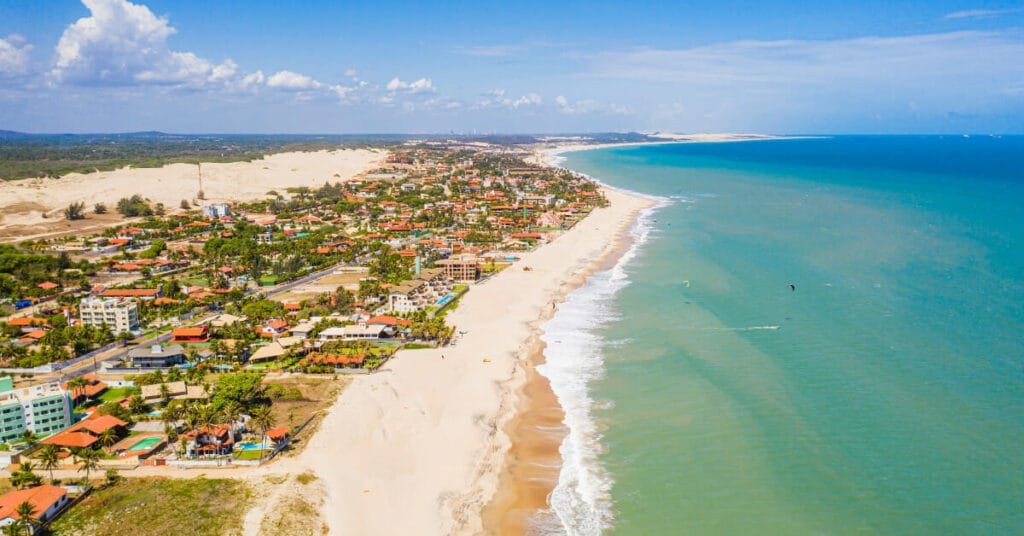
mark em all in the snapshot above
pixel 201 195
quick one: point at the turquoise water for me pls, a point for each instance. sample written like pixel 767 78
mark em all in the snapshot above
pixel 253 446
pixel 885 395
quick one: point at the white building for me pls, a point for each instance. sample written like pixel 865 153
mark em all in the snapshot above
pixel 353 333
pixel 45 409
pixel 216 210
pixel 423 290
pixel 119 314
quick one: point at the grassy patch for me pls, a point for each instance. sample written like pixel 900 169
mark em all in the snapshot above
pixel 157 507
pixel 251 454
pixel 317 393
pixel 306 477
pixel 416 346
pixel 114 394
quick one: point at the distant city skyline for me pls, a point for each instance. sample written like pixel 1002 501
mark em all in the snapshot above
pixel 406 67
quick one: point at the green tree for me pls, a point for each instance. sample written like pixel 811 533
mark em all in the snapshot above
pixel 263 418
pixel 26 516
pixel 90 460
pixel 245 389
pixel 49 459
pixel 75 211
pixel 137 405
pixel 108 437
pixel 99 208
pixel 24 477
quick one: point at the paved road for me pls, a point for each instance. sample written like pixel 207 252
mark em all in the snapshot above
pixel 120 354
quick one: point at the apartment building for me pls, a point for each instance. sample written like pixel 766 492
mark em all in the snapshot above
pixel 117 313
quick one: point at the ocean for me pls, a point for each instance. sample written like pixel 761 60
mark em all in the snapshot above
pixel 807 336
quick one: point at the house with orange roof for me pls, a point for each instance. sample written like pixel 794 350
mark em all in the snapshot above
pixel 190 334
pixel 217 440
pixel 47 503
pixel 28 324
pixel 92 389
pixel 274 328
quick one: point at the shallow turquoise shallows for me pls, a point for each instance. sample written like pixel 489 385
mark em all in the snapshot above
pixel 818 336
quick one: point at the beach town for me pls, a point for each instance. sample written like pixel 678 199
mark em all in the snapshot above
pixel 387 310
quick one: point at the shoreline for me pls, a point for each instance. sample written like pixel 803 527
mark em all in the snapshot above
pixel 536 430
pixel 419 447
pixel 547 155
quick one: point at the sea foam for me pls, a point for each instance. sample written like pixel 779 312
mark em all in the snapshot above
pixel 581 502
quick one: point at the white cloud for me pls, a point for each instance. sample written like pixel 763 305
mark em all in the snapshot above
pixel 351 73
pixel 423 85
pixel 14 57
pixel 981 13
pixel 589 106
pixel 224 71
pixel 292 81
pixel 917 61
pixel 122 43
pixel 496 98
pixel 251 81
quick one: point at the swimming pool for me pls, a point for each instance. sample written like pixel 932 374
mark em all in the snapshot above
pixel 146 444
pixel 445 299
pixel 252 446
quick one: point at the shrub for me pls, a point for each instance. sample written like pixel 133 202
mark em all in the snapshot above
pixel 75 211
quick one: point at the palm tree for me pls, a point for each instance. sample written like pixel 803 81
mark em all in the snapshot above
pixel 24 477
pixel 263 418
pixel 49 459
pixel 25 512
pixel 29 437
pixel 76 385
pixel 90 461
pixel 108 437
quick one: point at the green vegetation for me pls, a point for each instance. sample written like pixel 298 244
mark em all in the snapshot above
pixel 75 211
pixel 114 394
pixel 28 156
pixel 158 507
pixel 134 206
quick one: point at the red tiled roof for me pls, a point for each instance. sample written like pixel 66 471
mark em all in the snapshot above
pixel 98 424
pixel 71 440
pixel 40 497
pixel 130 292
pixel 277 434
pixel 190 332
pixel 28 321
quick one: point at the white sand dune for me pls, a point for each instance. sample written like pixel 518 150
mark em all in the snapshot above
pixel 22 202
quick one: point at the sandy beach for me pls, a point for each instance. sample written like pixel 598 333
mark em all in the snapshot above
pixel 418 448
pixel 25 201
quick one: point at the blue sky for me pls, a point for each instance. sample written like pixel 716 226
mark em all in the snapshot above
pixel 340 67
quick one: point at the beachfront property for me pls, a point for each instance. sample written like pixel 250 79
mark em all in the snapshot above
pixel 157 356
pixel 47 501
pixel 216 440
pixel 425 289
pixel 42 409
pixel 461 267
pixel 119 314
pixel 355 332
